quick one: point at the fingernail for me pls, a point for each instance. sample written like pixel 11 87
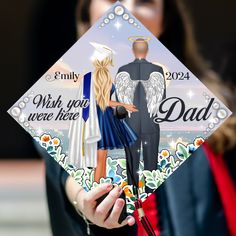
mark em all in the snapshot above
pixel 119 190
pixel 108 186
pixel 130 220
pixel 120 203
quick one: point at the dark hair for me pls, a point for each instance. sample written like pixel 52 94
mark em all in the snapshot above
pixel 178 37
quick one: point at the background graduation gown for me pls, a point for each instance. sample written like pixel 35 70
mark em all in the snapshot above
pixel 189 202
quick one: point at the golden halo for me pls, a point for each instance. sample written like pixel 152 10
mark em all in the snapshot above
pixel 134 38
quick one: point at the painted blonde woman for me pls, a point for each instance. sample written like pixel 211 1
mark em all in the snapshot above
pixel 115 133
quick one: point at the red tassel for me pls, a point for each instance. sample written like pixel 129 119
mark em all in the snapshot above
pixel 143 218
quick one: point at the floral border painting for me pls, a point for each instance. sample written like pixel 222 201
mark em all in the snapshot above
pixel 116 168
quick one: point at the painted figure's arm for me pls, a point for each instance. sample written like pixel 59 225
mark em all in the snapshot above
pixel 129 107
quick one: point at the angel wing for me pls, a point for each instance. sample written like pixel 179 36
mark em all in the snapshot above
pixel 125 87
pixel 154 88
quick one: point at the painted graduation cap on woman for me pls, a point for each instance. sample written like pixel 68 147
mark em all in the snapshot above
pixel 119 107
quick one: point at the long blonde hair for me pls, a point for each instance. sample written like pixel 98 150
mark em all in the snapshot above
pixel 102 82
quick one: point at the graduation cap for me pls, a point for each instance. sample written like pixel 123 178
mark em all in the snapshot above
pixel 176 112
pixel 101 51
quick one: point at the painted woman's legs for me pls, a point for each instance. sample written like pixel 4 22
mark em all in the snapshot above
pixel 100 170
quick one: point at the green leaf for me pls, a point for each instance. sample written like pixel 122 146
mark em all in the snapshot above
pixel 141 165
pixel 154 174
pixel 181 148
pixel 148 174
pixel 109 161
pixel 131 207
pixel 113 168
pixel 133 199
pixel 151 185
pixel 122 163
pixel 159 183
pixel 52 153
pixel 148 180
pixel 79 173
pixel 172 161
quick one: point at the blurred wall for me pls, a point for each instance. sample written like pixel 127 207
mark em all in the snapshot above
pixel 35 34
pixel 15 20
pixel 216 33
pixel 24 36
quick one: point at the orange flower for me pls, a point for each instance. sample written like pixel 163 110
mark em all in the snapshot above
pixel 123 184
pixel 165 153
pixel 56 141
pixel 128 192
pixel 45 138
pixel 140 184
pixel 198 141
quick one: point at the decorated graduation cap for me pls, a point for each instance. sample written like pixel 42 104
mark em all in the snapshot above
pixel 69 111
pixel 101 51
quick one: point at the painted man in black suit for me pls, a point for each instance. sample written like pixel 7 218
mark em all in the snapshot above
pixel 141 83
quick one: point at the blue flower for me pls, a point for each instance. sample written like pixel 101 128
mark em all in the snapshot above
pixel 115 178
pixel 191 148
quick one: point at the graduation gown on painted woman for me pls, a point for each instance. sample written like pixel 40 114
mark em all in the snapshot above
pixel 84 132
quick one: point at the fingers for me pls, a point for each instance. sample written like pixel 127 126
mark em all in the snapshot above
pixel 98 192
pixel 107 213
pixel 116 211
pixel 112 220
pixel 130 220
pixel 133 108
pixel 106 205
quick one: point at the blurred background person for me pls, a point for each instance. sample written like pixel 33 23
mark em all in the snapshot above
pixel 191 202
